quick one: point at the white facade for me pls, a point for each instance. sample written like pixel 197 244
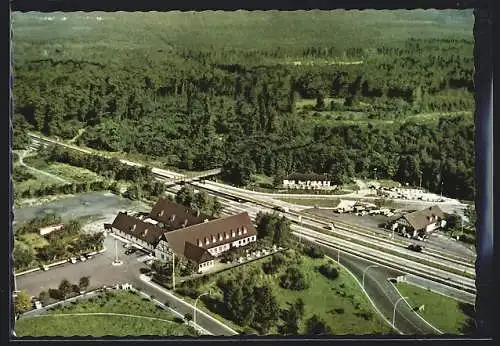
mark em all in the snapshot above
pixel 205 265
pixel 302 184
pixel 134 240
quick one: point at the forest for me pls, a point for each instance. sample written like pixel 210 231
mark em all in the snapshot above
pixel 269 110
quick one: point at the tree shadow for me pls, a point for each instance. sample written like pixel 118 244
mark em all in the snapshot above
pixel 217 307
pixel 469 326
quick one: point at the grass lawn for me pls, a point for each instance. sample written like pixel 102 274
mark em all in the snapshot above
pixel 388 183
pixel 322 297
pixel 323 203
pixel 72 173
pixel 446 314
pixel 99 325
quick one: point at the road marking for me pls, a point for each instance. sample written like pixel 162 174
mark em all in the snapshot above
pixel 147 280
pixel 423 319
pixel 367 295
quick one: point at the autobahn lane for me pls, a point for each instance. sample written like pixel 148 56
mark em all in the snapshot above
pixel 377 287
pixel 431 269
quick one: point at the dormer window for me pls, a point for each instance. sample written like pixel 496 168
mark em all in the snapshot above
pixel 172 218
pixel 145 232
pixel 244 230
pixel 233 233
pixel 220 236
pixel 133 227
pixel 200 244
pixel 161 213
pixel 226 235
pixel 207 241
pixel 239 231
pixel 213 239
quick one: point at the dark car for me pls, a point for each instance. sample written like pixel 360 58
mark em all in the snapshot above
pixel 415 247
pixel 130 251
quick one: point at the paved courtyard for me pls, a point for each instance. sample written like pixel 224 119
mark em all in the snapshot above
pixel 99 268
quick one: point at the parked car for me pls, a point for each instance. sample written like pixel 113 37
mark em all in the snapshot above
pixel 82 258
pixel 45 267
pixel 72 260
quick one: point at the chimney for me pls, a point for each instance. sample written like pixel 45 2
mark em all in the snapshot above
pixel 145 232
pixel 134 227
pixel 161 213
pixel 172 218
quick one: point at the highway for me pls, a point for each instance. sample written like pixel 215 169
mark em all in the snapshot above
pixel 434 267
pixel 378 288
pixel 362 249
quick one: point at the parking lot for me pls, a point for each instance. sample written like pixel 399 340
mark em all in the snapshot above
pixel 99 268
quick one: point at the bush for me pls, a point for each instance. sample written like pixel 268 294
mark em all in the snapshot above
pixel 339 310
pixel 294 279
pixel 274 264
pixel 56 294
pixel 313 252
pixel 328 271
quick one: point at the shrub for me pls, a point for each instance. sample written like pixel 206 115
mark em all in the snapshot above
pixel 56 294
pixel 294 279
pixel 339 310
pixel 328 271
pixel 313 252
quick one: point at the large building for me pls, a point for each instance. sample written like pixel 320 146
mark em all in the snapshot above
pixel 307 181
pixel 171 228
pixel 418 223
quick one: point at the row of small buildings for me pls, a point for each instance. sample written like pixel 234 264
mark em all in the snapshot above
pixel 173 229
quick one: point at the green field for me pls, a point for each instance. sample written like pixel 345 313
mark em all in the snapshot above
pixel 72 173
pixel 322 298
pixel 446 314
pixel 149 319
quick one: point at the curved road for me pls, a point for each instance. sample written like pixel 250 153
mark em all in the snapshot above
pixel 383 293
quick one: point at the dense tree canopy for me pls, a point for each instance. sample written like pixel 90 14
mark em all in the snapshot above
pixel 248 110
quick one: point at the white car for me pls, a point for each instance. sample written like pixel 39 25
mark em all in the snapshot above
pixel 82 258
pixel 72 260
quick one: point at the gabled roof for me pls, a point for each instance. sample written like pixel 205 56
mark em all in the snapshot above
pixel 173 215
pixel 214 231
pixel 308 176
pixel 421 218
pixel 196 254
pixel 144 231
